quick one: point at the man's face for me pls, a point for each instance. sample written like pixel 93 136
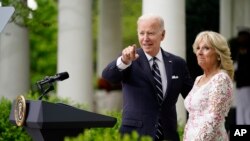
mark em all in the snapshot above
pixel 150 36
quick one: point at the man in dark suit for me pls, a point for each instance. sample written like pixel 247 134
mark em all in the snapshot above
pixel 142 108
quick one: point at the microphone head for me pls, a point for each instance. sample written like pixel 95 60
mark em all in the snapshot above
pixel 62 76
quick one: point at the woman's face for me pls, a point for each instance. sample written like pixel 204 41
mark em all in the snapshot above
pixel 207 57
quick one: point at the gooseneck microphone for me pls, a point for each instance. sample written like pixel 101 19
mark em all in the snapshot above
pixel 58 77
pixel 48 82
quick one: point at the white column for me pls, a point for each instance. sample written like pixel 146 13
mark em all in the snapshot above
pixel 241 9
pixel 109 44
pixel 226 18
pixel 173 13
pixel 109 33
pixel 75 51
pixel 14 61
pixel 247 13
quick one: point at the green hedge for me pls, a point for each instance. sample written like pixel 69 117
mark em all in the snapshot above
pixel 13 133
pixel 9 132
pixel 108 134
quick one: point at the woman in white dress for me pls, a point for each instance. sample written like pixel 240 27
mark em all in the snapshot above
pixel 210 99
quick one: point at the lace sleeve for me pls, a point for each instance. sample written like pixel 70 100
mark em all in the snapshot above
pixel 219 102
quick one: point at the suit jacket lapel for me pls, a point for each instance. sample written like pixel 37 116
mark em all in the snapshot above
pixel 143 62
pixel 146 69
pixel 145 66
pixel 168 66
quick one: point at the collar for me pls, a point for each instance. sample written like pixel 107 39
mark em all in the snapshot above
pixel 158 56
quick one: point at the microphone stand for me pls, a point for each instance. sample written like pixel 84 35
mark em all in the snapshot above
pixel 48 82
pixel 43 91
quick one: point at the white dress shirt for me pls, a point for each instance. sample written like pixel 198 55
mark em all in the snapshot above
pixel 160 63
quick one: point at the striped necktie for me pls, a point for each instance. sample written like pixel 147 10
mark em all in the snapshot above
pixel 158 83
pixel 157 78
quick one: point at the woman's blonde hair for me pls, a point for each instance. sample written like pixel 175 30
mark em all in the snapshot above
pixel 219 43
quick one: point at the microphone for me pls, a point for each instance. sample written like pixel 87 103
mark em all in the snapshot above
pixel 58 77
pixel 48 80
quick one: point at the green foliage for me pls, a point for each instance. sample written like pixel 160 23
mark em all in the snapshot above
pixel 43 39
pixel 131 10
pixel 9 132
pixel 22 11
pixel 181 131
pixel 108 134
pixel 42 26
pixel 14 133
pixel 53 98
pixel 43 31
pixel 112 134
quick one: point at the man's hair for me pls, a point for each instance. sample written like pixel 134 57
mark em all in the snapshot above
pixel 244 32
pixel 153 17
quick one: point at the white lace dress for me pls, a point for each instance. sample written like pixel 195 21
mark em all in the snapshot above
pixel 208 105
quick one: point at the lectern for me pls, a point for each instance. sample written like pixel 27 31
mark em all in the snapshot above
pixel 45 121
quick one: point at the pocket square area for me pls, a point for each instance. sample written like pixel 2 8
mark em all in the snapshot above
pixel 175 77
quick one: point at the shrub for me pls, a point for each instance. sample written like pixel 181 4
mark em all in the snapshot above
pixel 9 132
pixel 108 134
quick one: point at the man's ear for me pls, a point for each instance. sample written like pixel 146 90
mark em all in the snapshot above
pixel 163 34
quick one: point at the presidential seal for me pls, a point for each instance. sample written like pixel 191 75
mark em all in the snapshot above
pixel 20 110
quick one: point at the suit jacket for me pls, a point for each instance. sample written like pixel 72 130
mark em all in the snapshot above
pixel 141 109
